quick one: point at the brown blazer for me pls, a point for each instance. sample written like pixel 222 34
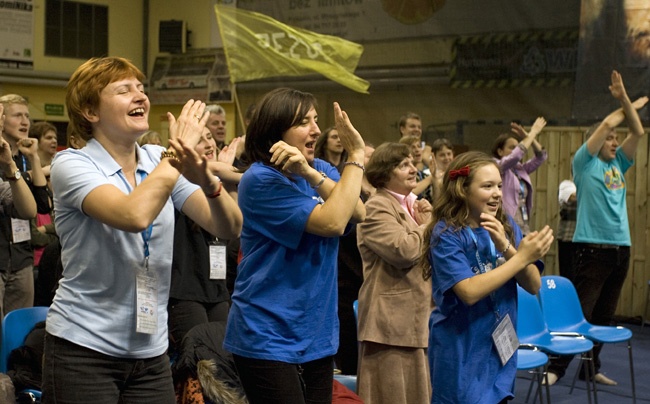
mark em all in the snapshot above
pixel 394 300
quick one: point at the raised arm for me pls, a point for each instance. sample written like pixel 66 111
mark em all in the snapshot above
pixel 342 200
pixel 615 118
pixel 618 91
pixel 529 139
pixel 135 211
pixel 23 200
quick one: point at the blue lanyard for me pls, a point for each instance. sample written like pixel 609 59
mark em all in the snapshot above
pixel 482 267
pixel 146 234
pixel 493 253
pixel 24 163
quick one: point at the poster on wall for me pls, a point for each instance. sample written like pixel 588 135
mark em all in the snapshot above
pixel 373 20
pixel 614 35
pixel 201 74
pixel 16 34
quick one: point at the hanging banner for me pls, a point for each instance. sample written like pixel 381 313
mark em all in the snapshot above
pixel 515 60
pixel 614 35
pixel 376 20
pixel 16 34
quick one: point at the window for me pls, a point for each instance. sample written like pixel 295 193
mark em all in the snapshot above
pixel 75 30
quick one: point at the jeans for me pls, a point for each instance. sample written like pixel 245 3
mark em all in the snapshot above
pixel 73 374
pixel 273 382
pixel 600 274
pixel 16 290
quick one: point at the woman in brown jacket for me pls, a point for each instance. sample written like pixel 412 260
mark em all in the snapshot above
pixel 394 300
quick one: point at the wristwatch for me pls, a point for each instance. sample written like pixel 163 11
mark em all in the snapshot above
pixel 15 176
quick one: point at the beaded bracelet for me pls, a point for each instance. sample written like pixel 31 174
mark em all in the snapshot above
pixel 167 153
pixel 354 163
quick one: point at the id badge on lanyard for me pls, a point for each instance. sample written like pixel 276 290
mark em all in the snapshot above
pixel 146 284
pixel 217 260
pixel 504 335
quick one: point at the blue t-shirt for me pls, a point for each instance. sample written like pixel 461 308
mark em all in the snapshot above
pixel 464 364
pixel 285 300
pixel 602 208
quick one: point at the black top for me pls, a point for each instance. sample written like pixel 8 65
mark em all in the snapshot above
pixel 16 256
pixel 191 265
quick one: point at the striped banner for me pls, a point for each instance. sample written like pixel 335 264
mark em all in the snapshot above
pixel 525 59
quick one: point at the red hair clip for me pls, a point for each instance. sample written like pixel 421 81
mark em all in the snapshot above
pixel 461 172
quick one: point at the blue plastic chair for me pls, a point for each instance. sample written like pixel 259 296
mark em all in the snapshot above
pixel 534 362
pixel 533 332
pixel 15 327
pixel 563 313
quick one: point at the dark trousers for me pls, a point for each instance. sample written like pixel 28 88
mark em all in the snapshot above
pixel 73 374
pixel 273 382
pixel 185 314
pixel 599 278
pixel 566 256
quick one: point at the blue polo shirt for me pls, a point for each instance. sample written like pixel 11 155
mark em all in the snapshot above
pixel 95 303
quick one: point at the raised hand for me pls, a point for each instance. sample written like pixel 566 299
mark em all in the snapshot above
pixel 5 154
pixel 193 166
pixel 536 244
pixel 537 127
pixel 289 159
pixel 190 123
pixel 617 88
pixel 228 153
pixel 422 211
pixel 350 138
pixel 28 147
pixel 495 228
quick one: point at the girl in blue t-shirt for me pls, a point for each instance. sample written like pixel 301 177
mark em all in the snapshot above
pixel 282 326
pixel 475 259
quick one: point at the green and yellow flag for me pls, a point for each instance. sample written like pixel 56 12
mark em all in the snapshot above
pixel 258 46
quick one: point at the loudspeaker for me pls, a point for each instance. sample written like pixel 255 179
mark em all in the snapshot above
pixel 172 36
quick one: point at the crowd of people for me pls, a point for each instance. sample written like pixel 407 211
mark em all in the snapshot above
pixel 264 243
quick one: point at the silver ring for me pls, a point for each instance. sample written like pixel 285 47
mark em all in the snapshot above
pixel 197 116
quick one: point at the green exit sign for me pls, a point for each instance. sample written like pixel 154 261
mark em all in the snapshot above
pixel 54 109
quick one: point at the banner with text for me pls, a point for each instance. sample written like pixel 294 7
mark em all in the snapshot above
pixel 258 46
pixel 376 20
pixel 17 34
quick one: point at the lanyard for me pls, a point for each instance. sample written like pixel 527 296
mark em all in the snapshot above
pixel 146 234
pixel 24 163
pixel 483 267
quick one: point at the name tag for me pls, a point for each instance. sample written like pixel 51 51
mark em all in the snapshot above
pixel 147 302
pixel 505 339
pixel 217 261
